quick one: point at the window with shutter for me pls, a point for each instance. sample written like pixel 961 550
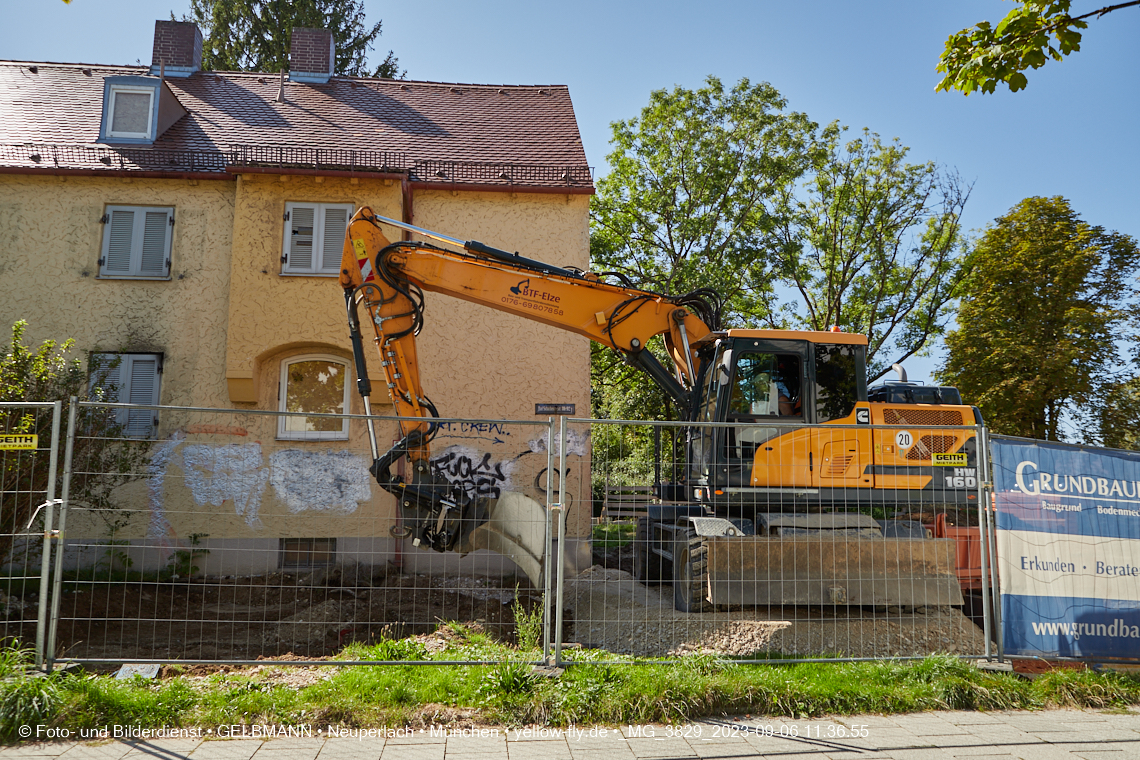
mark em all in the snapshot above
pixel 120 230
pixel 301 224
pixel 314 237
pixel 132 379
pixel 332 238
pixel 136 242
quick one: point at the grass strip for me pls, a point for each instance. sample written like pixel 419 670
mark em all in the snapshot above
pixel 510 693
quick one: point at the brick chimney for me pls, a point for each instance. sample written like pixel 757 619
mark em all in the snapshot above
pixel 312 55
pixel 178 46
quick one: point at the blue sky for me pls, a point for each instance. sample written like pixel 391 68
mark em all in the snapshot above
pixel 1073 132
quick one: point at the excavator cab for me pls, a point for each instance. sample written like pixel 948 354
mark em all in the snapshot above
pixel 797 431
pixel 769 385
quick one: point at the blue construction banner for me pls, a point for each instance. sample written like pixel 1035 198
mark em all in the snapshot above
pixel 1068 541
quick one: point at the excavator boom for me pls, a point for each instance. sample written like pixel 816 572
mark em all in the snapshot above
pixel 389 279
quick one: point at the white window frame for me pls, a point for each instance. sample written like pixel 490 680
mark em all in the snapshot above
pixel 123 392
pixel 134 269
pixel 319 266
pixel 283 394
pixel 115 90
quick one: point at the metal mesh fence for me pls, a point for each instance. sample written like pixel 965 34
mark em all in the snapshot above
pixel 237 535
pixel 29 435
pixel 240 535
pixel 808 542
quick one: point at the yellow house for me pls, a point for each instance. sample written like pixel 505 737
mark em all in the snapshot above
pixel 184 227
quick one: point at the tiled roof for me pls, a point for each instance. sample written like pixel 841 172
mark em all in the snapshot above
pixel 460 133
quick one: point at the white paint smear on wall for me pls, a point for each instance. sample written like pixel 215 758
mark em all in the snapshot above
pixel 328 481
pixel 159 529
pixel 576 443
pixel 234 472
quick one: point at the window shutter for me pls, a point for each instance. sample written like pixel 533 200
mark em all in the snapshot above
pixel 106 376
pixel 301 222
pixel 155 229
pixel 117 257
pixel 336 222
pixel 143 390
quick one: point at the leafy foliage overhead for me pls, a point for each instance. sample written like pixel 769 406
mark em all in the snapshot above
pixel 789 224
pixel 1046 304
pixel 1118 416
pixel 254 35
pixel 1030 34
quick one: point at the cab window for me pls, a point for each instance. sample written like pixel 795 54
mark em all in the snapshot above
pixel 836 381
pixel 766 385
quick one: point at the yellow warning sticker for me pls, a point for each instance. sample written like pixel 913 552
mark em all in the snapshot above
pixel 949 460
pixel 10 442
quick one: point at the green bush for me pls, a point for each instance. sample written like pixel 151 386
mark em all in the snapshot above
pixel 45 374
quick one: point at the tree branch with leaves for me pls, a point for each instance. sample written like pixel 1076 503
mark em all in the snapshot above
pixel 1030 35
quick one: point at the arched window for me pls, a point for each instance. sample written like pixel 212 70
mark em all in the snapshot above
pixel 317 385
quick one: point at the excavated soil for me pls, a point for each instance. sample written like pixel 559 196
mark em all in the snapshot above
pixel 293 616
pixel 305 616
pixel 612 611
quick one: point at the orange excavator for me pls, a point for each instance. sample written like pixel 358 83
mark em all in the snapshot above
pixel 785 453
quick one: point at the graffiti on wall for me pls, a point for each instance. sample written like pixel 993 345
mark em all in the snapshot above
pixel 326 481
pixel 577 442
pixel 474 472
pixel 321 481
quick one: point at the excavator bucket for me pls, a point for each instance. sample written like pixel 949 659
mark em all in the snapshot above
pixel 515 528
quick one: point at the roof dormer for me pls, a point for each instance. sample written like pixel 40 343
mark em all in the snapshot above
pixel 137 109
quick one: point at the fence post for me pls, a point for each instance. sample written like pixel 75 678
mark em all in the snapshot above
pixel 984 535
pixel 991 529
pixel 561 557
pixel 57 587
pixel 549 552
pixel 45 558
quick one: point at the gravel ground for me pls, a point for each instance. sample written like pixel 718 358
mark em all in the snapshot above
pixel 612 611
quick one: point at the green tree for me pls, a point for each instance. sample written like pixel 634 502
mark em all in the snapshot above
pixel 1118 418
pixel 686 207
pixel 872 244
pixel 46 373
pixel 1028 36
pixel 691 193
pixel 254 35
pixel 1040 319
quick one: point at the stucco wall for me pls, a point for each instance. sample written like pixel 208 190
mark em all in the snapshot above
pixel 51 240
pixel 271 313
pixel 227 311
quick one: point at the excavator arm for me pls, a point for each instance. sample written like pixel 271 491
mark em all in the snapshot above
pixel 389 279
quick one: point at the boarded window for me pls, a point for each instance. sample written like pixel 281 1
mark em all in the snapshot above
pixel 308 552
